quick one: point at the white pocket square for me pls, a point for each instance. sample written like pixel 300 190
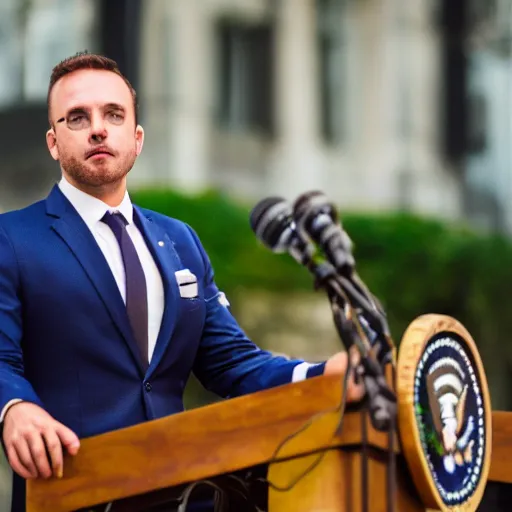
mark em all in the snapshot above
pixel 187 283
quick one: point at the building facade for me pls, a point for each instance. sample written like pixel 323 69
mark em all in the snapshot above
pixel 383 104
pixel 260 97
pixel 488 40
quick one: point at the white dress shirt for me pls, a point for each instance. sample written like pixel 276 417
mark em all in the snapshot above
pixel 92 211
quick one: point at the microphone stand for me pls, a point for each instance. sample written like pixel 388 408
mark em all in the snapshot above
pixel 356 315
pixel 351 304
pixel 342 294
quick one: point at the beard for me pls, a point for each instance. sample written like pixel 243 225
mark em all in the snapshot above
pixel 96 174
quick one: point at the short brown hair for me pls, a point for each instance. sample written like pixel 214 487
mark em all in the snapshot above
pixel 86 60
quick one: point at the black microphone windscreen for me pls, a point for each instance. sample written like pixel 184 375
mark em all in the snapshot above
pixel 261 209
pixel 310 204
pixel 271 221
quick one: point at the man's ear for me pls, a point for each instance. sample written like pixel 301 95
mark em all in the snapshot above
pixel 139 139
pixel 51 142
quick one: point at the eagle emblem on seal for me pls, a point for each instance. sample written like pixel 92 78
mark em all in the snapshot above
pixel 447 392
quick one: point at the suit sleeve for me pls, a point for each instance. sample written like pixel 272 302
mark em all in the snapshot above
pixel 13 384
pixel 227 362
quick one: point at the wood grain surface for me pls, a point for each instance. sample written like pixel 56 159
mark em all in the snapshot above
pixel 218 439
pixel 501 457
pixel 196 444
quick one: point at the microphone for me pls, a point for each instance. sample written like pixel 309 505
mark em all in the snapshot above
pixel 282 228
pixel 272 222
pixel 317 217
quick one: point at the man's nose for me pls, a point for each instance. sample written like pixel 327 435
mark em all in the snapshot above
pixel 98 129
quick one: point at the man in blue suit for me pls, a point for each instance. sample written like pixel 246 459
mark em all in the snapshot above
pixel 106 308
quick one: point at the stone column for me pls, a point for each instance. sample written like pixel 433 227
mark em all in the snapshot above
pixel 297 164
pixel 153 165
pixel 190 97
pixel 425 183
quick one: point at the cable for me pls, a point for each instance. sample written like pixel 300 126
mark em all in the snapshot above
pixel 340 407
pixel 220 495
pixel 245 487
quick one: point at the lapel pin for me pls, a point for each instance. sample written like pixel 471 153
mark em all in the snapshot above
pixel 160 243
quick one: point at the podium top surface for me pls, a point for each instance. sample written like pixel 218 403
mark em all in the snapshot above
pixel 212 440
pixel 218 439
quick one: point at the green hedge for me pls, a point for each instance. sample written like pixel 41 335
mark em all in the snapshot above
pixel 414 265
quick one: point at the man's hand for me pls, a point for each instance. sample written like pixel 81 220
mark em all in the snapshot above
pixel 34 441
pixel 337 365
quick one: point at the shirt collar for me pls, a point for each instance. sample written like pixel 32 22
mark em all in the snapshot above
pixel 92 209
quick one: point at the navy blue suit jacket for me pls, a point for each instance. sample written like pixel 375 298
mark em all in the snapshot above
pixel 65 340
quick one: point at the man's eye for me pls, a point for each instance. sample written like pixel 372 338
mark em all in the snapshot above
pixel 116 117
pixel 77 120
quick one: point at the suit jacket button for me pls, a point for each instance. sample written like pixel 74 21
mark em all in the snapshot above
pixel 147 385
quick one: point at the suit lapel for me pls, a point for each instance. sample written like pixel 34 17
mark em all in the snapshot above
pixel 168 262
pixel 70 227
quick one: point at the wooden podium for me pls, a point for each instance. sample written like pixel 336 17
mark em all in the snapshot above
pixel 143 466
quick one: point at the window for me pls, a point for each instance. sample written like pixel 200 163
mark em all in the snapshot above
pixel 481 13
pixel 245 93
pixel 489 26
pixel 10 51
pixel 34 36
pixel 477 123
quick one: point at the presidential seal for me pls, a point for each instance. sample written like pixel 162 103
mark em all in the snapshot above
pixel 444 413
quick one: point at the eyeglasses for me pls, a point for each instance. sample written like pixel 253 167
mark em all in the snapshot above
pixel 81 120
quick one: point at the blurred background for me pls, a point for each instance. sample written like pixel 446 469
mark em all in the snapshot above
pixel 400 110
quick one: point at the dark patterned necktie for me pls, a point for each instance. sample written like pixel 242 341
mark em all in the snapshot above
pixel 136 290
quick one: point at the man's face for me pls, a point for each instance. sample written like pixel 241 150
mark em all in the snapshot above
pixel 93 135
